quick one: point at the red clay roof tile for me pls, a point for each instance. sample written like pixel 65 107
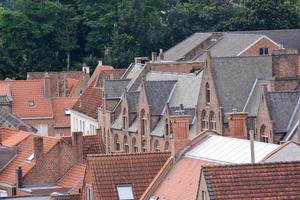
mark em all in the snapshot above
pixel 59 105
pixel 254 181
pixel 138 170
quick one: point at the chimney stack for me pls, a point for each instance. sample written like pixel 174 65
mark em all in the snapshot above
pixel 38 147
pixel 180 135
pixel 86 69
pixel 100 64
pixel 77 146
pixel 19 173
pixel 237 124
pixel 153 56
pixel 251 133
pixel 47 87
pixel 161 54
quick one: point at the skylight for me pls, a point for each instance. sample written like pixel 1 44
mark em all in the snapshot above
pixel 30 158
pixel 67 111
pixel 125 192
pixel 31 103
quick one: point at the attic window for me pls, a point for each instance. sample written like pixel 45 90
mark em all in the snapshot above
pixel 263 51
pixel 31 104
pixel 67 111
pixel 30 158
pixel 125 192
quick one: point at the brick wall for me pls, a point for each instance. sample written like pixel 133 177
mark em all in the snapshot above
pixel 262 43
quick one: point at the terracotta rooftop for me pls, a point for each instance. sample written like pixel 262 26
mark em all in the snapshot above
pixel 91 99
pixel 25 91
pixel 137 170
pixel 182 181
pixel 59 105
pixel 92 144
pixel 253 181
pixel 24 142
pixel 73 178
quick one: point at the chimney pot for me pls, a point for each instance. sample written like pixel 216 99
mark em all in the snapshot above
pixel 251 133
pixel 100 63
pixel 19 173
pixel 161 54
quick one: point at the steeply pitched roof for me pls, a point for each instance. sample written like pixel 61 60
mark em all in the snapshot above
pixel 289 151
pixel 109 75
pixel 8 120
pixel 73 178
pixel 253 181
pixel 289 38
pixel 158 92
pixel 234 78
pixel 132 98
pixel 115 88
pixel 24 91
pixel 92 144
pixel 182 48
pixel 137 170
pixel 60 104
pixel 6 155
pixel 24 143
pixel 231 44
pixel 281 106
pixel 187 86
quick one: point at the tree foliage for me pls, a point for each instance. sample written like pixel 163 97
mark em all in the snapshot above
pixel 52 35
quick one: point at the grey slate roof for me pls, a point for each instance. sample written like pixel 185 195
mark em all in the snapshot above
pixel 182 48
pixel 158 92
pixel 286 153
pixel 115 88
pixel 133 98
pixel 5 100
pixel 231 44
pixel 6 155
pixel 8 120
pixel 234 78
pixel 281 106
pixel 290 38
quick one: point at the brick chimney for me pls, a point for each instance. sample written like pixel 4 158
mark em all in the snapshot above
pixel 38 147
pixel 237 124
pixel 180 136
pixel 285 63
pixel 47 88
pixel 77 146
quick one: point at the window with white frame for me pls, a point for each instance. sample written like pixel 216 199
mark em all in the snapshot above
pixel 89 192
pixel 203 195
pixel 3 193
pixel 42 129
pixel 125 192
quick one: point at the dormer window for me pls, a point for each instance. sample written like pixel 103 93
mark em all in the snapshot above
pixel 125 192
pixel 31 104
pixel 207 93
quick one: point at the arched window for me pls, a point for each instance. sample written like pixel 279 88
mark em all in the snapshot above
pixel 125 144
pixel 143 122
pixel 207 93
pixel 167 126
pixel 167 146
pixel 156 146
pixel 134 146
pixel 212 121
pixel 117 143
pixel 144 146
pixel 124 119
pixel 171 128
pixel 263 134
pixel 204 120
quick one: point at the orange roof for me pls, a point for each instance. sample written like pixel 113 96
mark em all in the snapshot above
pixel 25 149
pixel 97 71
pixel 138 170
pixel 182 181
pixel 23 91
pixel 73 178
pixel 59 105
pixel 4 89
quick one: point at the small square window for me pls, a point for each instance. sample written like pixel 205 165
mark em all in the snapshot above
pixel 31 104
pixel 125 192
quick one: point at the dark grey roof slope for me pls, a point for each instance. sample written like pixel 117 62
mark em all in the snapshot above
pixel 158 93
pixel 132 98
pixel 6 155
pixel 115 88
pixel 281 106
pixel 234 78
pixel 290 38
pixel 10 121
pixel 187 111
pixel 182 48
